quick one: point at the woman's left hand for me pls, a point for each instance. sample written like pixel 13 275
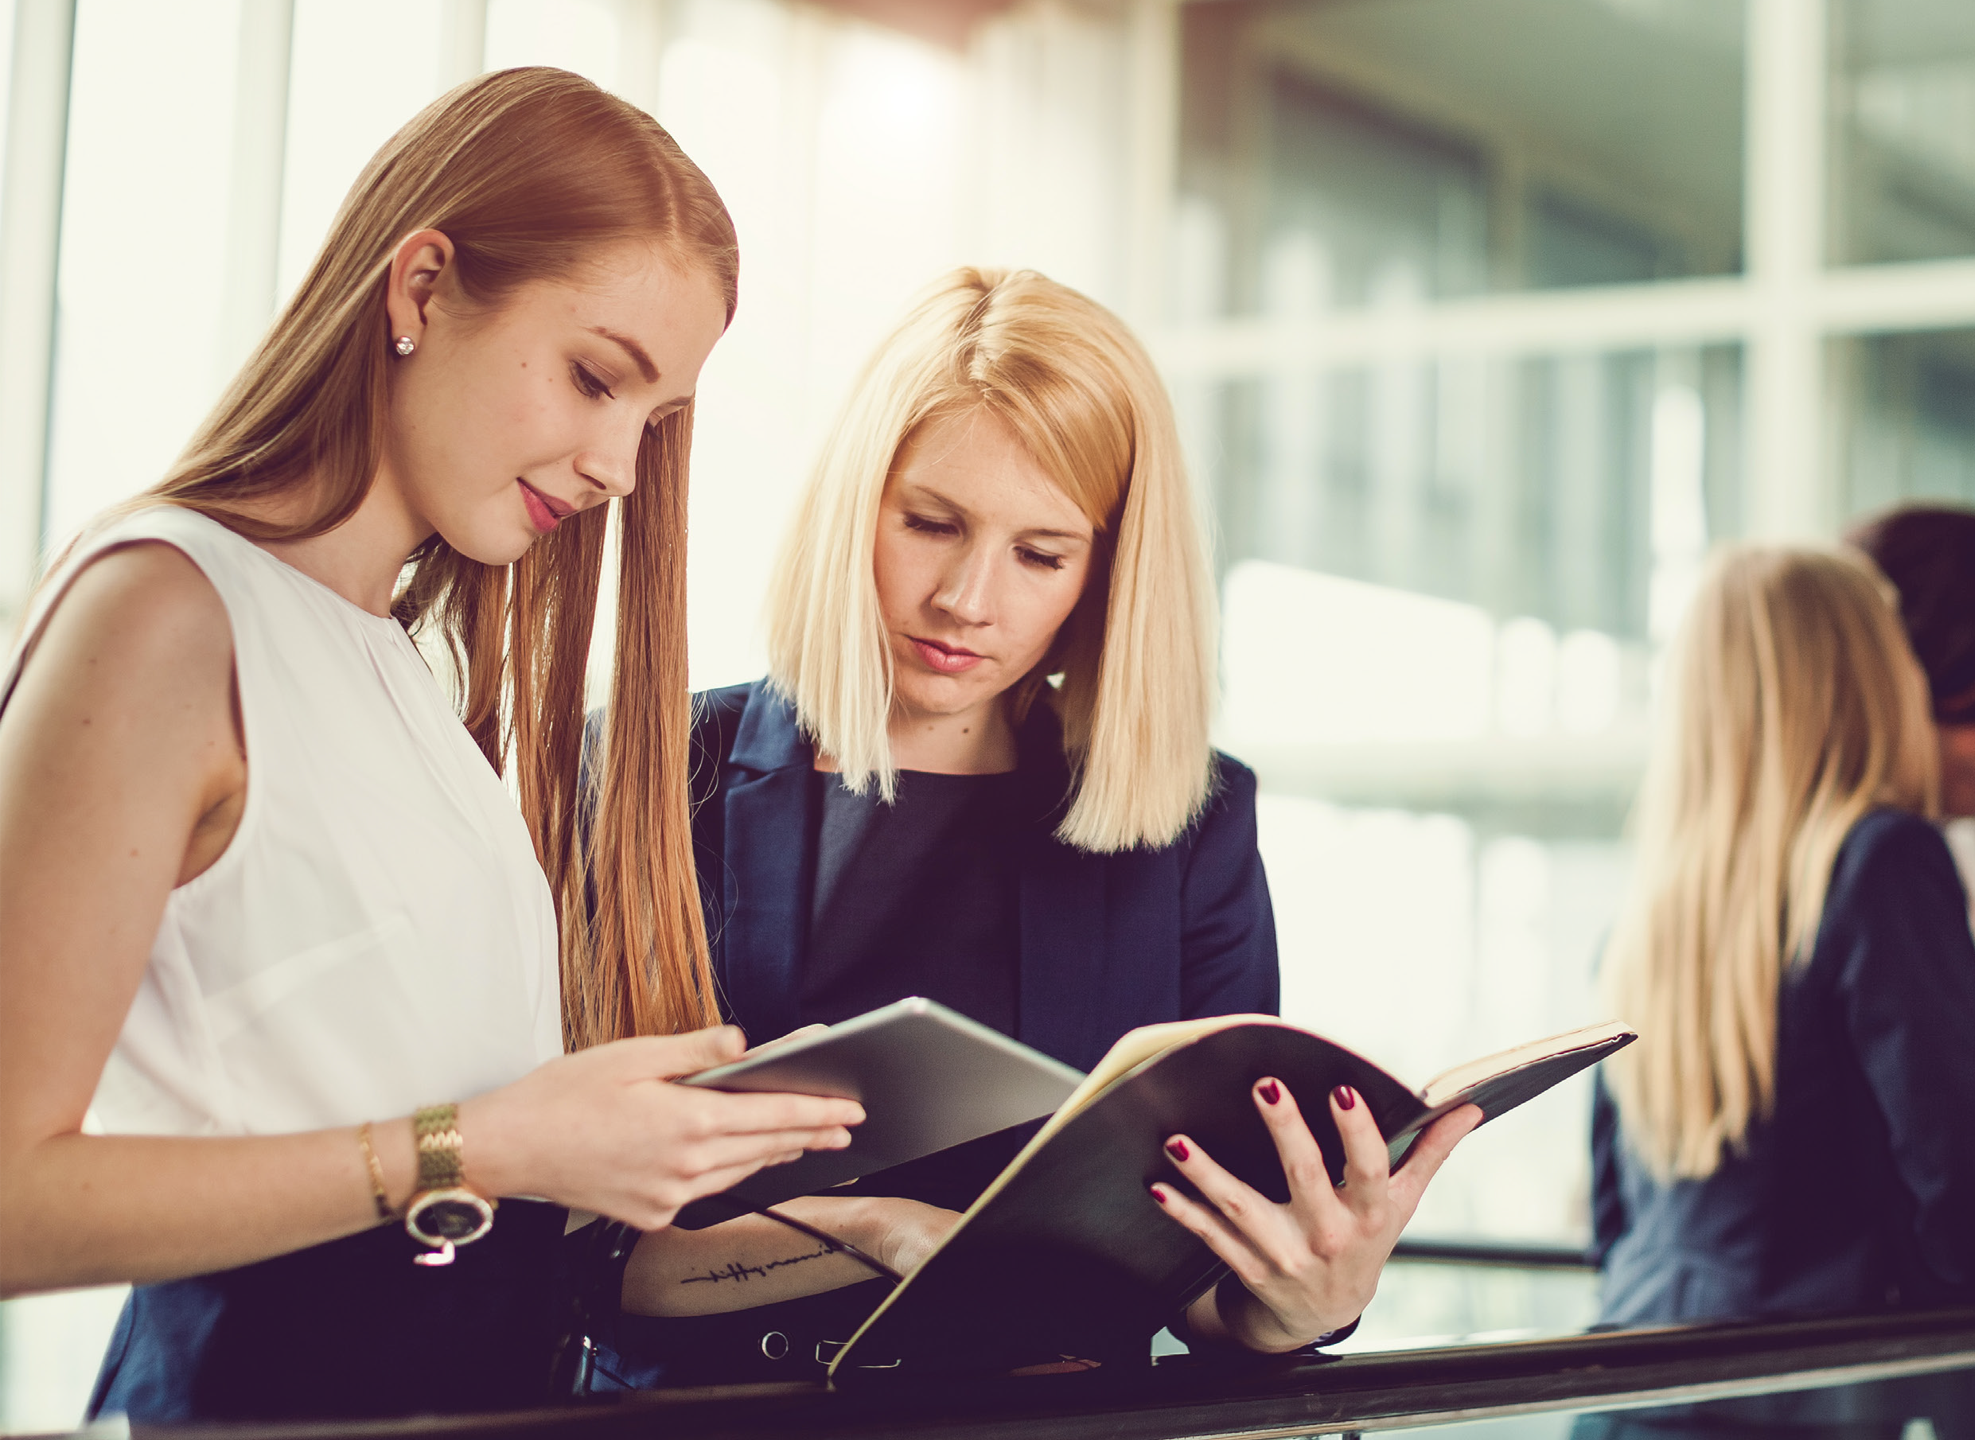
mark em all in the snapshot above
pixel 1312 1265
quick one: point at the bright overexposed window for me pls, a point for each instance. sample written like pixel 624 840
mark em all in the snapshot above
pixel 344 100
pixel 578 35
pixel 149 149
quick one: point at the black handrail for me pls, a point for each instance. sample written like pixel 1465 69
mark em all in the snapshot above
pixel 1514 1254
pixel 1249 1399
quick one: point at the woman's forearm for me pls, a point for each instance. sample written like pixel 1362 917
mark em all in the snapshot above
pixel 750 1261
pixel 88 1210
pixel 598 1130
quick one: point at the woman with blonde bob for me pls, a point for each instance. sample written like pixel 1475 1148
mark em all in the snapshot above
pixel 268 914
pixel 1792 1132
pixel 980 771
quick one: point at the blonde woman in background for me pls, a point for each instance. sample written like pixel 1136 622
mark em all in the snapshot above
pixel 980 771
pixel 1792 1134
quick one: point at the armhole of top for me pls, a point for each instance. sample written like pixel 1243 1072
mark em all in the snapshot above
pixel 44 612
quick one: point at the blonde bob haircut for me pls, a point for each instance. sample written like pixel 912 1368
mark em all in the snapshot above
pixel 1133 666
pixel 1796 707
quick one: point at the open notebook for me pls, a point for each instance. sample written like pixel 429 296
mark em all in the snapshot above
pixel 1067 1252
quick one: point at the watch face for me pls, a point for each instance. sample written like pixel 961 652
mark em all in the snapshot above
pixel 458 1216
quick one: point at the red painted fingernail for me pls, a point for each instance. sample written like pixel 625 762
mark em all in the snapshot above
pixel 1345 1097
pixel 1177 1149
pixel 1270 1092
pixel 1158 1194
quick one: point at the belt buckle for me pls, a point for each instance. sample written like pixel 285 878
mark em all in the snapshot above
pixel 836 1348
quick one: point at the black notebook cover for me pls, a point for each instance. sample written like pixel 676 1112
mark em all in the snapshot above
pixel 1073 1256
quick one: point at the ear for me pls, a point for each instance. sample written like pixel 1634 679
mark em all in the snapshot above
pixel 417 264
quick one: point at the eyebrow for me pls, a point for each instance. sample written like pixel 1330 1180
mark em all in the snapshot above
pixel 629 347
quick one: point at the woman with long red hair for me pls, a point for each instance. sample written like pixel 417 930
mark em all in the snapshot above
pixel 289 977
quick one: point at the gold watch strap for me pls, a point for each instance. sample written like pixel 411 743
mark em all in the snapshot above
pixel 441 1163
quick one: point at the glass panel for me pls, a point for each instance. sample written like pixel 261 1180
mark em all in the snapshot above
pixel 6 81
pixel 1553 487
pixel 150 136
pixel 578 35
pixel 1431 148
pixel 343 104
pixel 1425 1304
pixel 1920 1407
pixel 1909 404
pixel 1903 105
pixel 51 1347
pixel 1445 584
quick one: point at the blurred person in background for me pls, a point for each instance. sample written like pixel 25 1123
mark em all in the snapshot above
pixel 286 995
pixel 980 772
pixel 1928 552
pixel 1791 1134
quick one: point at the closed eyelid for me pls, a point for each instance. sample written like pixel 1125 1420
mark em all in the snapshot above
pixel 590 382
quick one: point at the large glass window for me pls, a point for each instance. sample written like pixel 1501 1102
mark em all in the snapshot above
pixel 150 146
pixel 1909 419
pixel 1363 153
pixel 1486 323
pixel 1903 108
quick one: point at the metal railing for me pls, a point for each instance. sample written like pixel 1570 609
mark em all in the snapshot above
pixel 1490 1252
pixel 1257 1399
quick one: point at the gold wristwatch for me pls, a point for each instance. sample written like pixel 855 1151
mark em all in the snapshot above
pixel 443 1213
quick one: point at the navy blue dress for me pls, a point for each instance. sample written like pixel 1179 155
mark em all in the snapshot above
pixel 1101 944
pixel 1858 1193
pixel 347 1330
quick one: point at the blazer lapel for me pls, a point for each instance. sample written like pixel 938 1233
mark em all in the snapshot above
pixel 1062 899
pixel 768 835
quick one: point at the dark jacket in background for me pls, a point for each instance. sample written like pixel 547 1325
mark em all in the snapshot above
pixel 1859 1192
pixel 1108 942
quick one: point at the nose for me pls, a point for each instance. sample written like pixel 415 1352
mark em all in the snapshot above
pixel 612 466
pixel 966 590
pixel 615 476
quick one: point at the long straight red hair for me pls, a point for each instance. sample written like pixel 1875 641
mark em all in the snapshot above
pixel 530 173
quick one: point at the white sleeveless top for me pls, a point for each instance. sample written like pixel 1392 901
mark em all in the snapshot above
pixel 378 934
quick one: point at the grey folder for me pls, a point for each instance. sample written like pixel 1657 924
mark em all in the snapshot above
pixel 928 1078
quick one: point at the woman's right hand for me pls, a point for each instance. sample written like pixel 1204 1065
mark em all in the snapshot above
pixel 606 1130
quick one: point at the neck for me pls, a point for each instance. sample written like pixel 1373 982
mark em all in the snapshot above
pixel 980 741
pixel 360 559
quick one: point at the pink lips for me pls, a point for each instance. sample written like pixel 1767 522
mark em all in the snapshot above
pixel 545 512
pixel 946 659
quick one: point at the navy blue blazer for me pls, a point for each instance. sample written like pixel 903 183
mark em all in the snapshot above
pixel 1859 1192
pixel 1108 942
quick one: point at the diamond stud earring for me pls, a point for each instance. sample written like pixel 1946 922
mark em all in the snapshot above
pixel 405 345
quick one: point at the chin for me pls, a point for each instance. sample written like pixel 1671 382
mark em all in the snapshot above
pixel 942 695
pixel 490 545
